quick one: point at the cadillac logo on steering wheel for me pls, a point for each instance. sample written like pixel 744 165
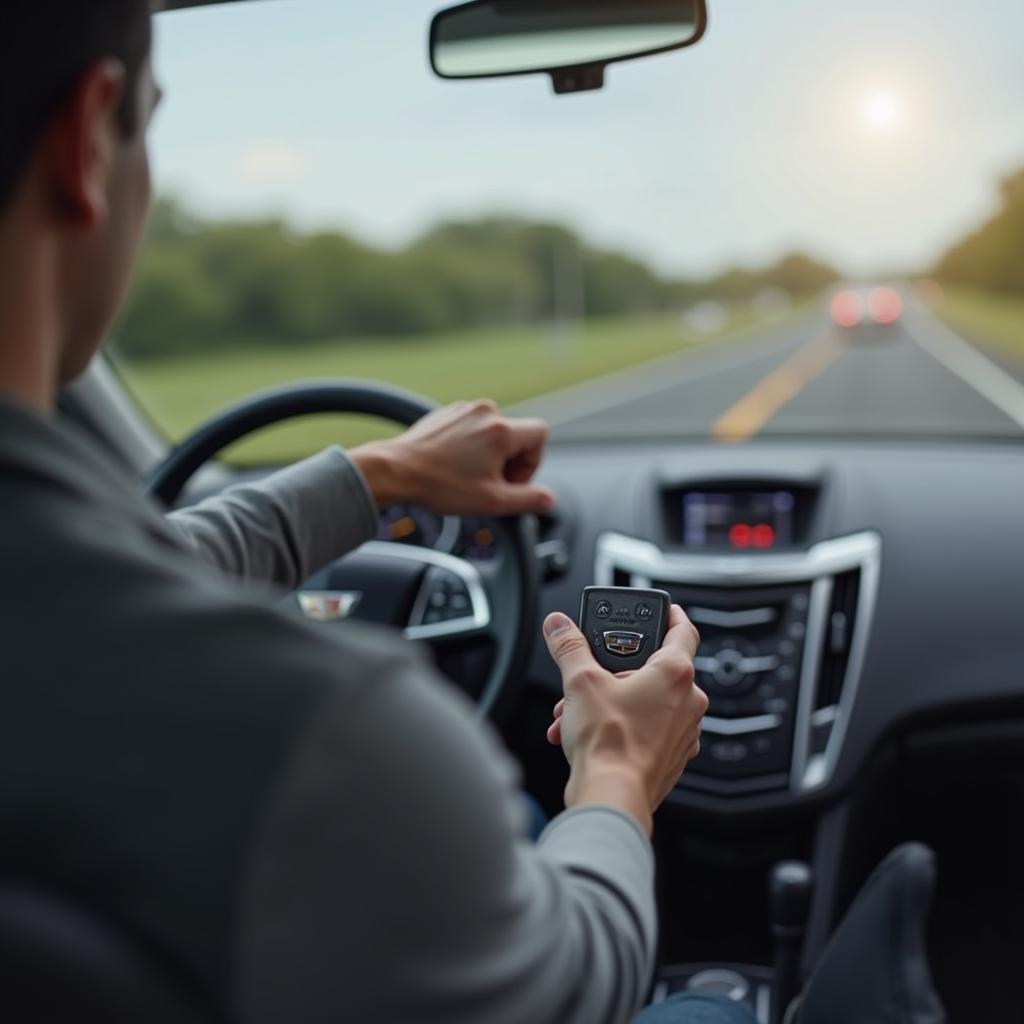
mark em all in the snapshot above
pixel 329 605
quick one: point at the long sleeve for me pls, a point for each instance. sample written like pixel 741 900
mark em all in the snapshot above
pixel 391 882
pixel 287 526
pixel 307 822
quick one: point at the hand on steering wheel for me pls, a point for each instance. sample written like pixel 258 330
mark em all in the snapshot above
pixel 463 459
pixel 490 604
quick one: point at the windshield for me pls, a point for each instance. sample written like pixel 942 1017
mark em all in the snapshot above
pixel 811 224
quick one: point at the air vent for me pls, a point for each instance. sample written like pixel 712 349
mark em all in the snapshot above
pixel 839 628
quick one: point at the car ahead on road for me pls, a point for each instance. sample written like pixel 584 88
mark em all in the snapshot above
pixel 845 531
pixel 867 312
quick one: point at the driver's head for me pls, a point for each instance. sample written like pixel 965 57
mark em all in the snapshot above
pixel 77 94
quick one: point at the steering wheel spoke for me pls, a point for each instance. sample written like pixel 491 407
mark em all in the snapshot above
pixel 451 604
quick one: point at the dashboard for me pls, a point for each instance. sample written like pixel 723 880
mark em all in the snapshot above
pixel 842 592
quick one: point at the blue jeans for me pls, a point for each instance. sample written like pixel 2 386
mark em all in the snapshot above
pixel 696 1008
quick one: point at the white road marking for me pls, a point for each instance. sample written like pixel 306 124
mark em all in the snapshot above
pixel 963 360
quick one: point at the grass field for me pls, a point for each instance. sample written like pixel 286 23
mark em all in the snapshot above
pixel 996 320
pixel 509 365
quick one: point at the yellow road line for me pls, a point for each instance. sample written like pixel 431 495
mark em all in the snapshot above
pixel 748 416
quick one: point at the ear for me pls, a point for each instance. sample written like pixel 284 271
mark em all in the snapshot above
pixel 83 141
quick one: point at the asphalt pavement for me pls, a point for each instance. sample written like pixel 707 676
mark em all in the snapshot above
pixel 805 378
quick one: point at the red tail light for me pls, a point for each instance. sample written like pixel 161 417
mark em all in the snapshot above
pixel 885 305
pixel 847 309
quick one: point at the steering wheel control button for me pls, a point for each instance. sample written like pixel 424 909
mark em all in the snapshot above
pixel 629 624
pixel 447 598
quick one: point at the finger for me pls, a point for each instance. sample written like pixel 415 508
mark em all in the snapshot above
pixel 521 468
pixel 682 636
pixel 694 752
pixel 559 709
pixel 555 733
pixel 526 437
pixel 522 500
pixel 567 645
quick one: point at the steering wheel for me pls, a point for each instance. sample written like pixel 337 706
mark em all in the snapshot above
pixel 477 616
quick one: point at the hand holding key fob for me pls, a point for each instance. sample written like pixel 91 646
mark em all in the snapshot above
pixel 624 625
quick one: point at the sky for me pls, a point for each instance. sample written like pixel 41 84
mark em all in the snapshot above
pixel 871 133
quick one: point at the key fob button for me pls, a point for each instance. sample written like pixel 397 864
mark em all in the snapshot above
pixel 602 609
pixel 644 612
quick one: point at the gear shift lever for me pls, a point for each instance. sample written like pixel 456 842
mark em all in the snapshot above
pixel 789 894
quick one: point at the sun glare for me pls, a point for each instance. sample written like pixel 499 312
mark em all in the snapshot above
pixel 881 112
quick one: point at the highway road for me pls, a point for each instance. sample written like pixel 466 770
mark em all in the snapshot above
pixel 804 379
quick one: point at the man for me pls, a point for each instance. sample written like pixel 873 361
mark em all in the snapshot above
pixel 309 826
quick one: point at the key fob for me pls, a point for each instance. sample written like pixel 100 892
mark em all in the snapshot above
pixel 624 625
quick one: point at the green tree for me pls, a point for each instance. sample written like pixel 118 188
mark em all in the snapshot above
pixel 992 257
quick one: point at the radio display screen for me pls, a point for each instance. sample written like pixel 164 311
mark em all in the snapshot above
pixel 739 520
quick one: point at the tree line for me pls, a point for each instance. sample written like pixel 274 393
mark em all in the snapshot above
pixel 206 283
pixel 992 257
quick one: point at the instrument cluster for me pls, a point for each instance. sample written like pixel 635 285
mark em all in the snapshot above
pixel 470 537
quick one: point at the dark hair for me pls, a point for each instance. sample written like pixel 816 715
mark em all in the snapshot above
pixel 45 48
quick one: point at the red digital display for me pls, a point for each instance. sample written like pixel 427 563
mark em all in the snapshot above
pixel 740 520
pixel 745 535
pixel 740 535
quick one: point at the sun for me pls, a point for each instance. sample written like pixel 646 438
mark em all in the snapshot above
pixel 881 112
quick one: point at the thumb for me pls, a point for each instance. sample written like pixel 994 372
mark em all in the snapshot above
pixel 512 499
pixel 567 645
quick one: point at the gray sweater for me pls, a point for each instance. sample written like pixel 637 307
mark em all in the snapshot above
pixel 310 823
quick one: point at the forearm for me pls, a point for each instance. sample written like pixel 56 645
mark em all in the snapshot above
pixel 285 527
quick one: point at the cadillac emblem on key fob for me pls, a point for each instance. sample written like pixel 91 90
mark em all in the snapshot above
pixel 624 625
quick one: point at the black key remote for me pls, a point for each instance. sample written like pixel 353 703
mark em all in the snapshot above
pixel 625 625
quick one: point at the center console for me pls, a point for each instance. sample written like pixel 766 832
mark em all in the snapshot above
pixel 783 627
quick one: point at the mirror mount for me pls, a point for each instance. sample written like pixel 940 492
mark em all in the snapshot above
pixel 585 78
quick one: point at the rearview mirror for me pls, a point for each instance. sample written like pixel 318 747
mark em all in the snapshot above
pixel 572 40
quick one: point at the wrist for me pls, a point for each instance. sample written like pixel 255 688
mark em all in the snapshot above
pixel 611 785
pixel 379 467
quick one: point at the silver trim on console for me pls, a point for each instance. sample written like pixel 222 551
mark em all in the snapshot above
pixel 818 566
pixel 480 609
pixel 740 726
pixel 817 613
pixel 734 620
